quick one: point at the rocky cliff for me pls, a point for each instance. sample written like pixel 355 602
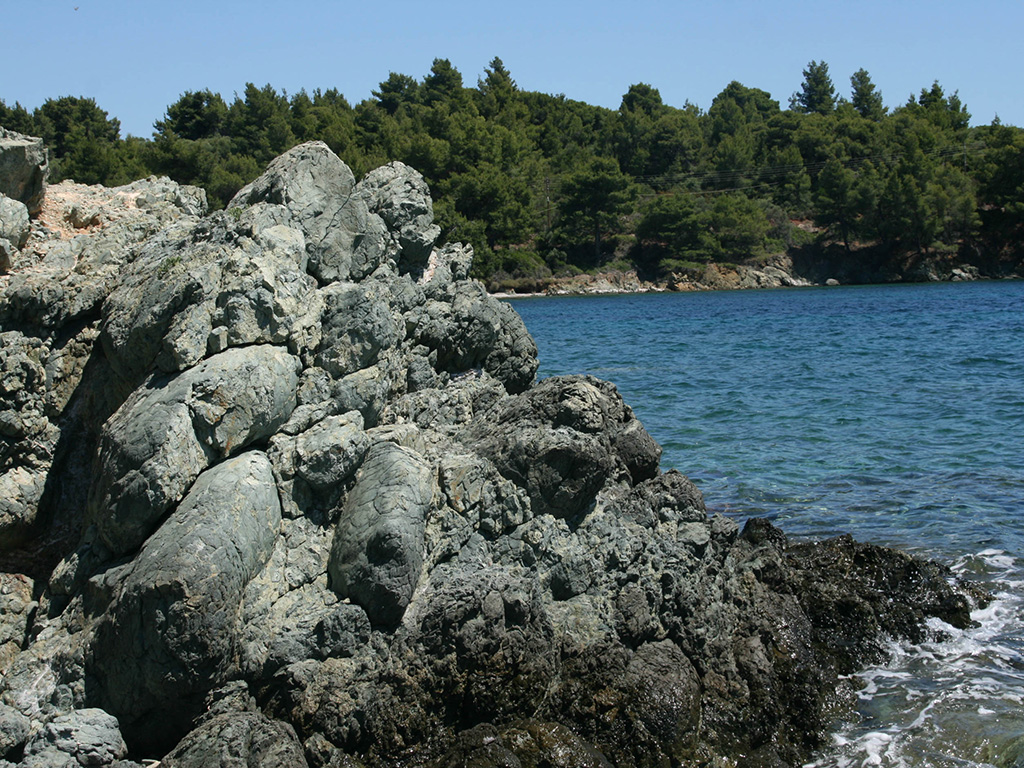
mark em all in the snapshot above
pixel 278 488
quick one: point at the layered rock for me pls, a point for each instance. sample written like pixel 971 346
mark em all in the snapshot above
pixel 280 487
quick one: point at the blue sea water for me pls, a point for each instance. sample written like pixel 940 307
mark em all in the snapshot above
pixel 894 413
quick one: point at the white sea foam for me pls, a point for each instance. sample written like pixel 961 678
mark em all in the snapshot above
pixel 938 698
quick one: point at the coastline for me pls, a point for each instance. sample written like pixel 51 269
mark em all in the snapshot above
pixel 778 272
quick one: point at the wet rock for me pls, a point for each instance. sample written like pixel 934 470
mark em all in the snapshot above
pixel 536 743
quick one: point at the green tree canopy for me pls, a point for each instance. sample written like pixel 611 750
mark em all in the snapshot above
pixel 396 91
pixel 866 99
pixel 816 94
pixel 195 115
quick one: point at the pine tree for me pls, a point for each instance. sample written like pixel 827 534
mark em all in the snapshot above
pixel 817 93
pixel 867 100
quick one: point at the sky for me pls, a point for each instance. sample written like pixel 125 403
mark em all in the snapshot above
pixel 136 57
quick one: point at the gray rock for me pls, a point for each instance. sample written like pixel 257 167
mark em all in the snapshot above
pixel 344 240
pixel 479 497
pixel 313 466
pixel 306 623
pixel 229 291
pixel 452 405
pixel 170 634
pixel 473 330
pixel 23 168
pixel 17 606
pixel 370 389
pixel 28 436
pixel 81 737
pixel 14 729
pixel 563 441
pixel 358 324
pixel 238 739
pixel 449 263
pixel 399 195
pixel 377 552
pixel 170 430
pixel 14 225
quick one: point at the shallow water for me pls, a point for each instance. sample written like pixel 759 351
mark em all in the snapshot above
pixel 894 413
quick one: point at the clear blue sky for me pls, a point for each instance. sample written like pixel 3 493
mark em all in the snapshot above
pixel 135 57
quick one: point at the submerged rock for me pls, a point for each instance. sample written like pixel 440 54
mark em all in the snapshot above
pixel 279 487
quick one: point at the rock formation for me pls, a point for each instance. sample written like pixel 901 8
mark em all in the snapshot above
pixel 278 486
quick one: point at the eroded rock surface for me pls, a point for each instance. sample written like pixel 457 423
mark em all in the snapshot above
pixel 278 488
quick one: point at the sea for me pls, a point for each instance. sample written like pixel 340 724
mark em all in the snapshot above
pixel 894 413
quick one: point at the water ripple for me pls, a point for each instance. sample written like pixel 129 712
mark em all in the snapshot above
pixel 890 412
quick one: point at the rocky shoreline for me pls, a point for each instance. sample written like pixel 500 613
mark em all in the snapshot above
pixel 777 272
pixel 278 487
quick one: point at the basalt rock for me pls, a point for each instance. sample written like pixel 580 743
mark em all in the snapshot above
pixel 278 486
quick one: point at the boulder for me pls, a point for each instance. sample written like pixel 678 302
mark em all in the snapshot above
pixel 563 441
pixel 174 312
pixel 399 195
pixel 170 430
pixel 15 729
pixel 470 329
pixel 344 240
pixel 236 739
pixel 14 226
pixel 170 633
pixel 24 168
pixel 82 737
pixel 378 547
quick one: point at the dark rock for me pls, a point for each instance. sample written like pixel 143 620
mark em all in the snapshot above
pixel 241 738
pixel 848 589
pixel 537 744
pixel 474 330
pixel 563 441
pixel 14 731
